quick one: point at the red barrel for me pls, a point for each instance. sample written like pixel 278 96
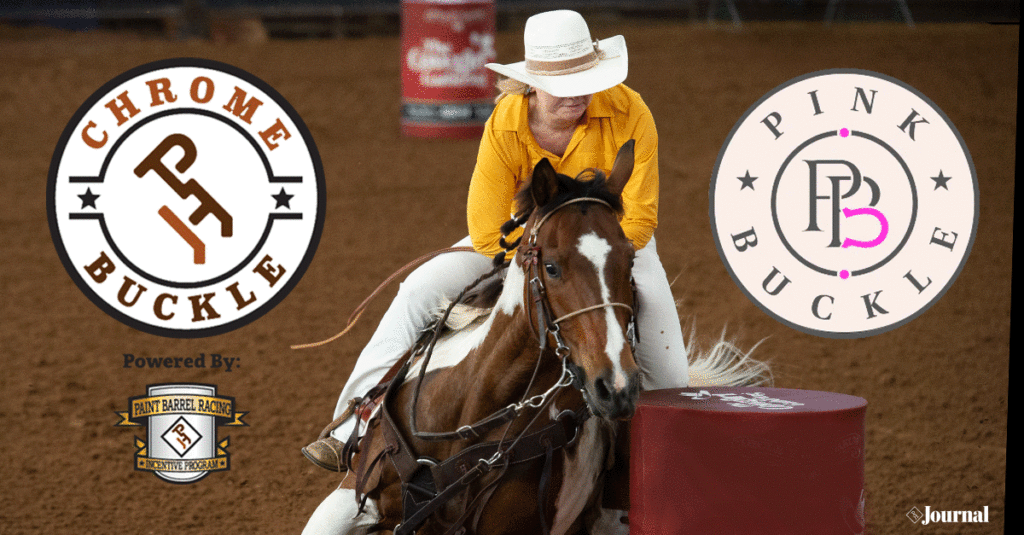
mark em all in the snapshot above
pixel 446 90
pixel 729 460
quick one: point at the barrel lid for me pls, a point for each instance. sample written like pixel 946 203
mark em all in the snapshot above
pixel 749 399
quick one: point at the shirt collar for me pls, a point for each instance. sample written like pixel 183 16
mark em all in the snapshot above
pixel 600 106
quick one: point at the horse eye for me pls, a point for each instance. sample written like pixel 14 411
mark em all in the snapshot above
pixel 552 270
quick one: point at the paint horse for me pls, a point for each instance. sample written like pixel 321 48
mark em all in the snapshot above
pixel 506 426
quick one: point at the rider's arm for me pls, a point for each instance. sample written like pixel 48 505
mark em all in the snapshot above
pixel 491 189
pixel 640 196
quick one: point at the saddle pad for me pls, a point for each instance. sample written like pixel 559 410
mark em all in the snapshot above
pixel 734 460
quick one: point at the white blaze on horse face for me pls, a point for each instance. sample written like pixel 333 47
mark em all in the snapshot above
pixel 596 249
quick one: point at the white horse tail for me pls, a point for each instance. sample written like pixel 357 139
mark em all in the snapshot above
pixel 727 365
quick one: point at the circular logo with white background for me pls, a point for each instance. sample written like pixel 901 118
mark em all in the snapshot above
pixel 844 203
pixel 186 198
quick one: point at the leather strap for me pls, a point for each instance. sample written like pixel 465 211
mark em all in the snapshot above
pixel 364 477
pixel 363 407
pixel 478 504
pixel 559 432
pixel 476 430
pixel 401 455
pixel 414 521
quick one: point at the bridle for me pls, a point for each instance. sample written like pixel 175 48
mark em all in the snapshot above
pixel 531 259
pixel 427 484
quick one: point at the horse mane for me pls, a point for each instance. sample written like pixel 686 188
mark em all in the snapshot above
pixel 589 183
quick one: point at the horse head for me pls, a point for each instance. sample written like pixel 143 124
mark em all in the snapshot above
pixel 578 262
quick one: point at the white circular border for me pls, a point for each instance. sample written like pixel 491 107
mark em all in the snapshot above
pixel 301 130
pixel 818 332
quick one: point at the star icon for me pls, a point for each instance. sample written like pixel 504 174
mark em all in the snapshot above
pixel 283 199
pixel 88 198
pixel 747 180
pixel 941 181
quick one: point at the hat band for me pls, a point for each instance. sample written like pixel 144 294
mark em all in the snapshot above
pixel 567 66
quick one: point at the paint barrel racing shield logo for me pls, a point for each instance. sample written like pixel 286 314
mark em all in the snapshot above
pixel 844 203
pixel 181 422
pixel 186 198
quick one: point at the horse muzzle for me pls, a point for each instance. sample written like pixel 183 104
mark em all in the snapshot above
pixel 610 401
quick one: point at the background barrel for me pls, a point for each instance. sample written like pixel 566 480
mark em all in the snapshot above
pixel 446 90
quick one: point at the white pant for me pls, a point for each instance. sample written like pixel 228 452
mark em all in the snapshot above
pixel 336 515
pixel 660 354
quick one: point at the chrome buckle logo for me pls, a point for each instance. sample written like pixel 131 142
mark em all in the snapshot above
pixel 186 198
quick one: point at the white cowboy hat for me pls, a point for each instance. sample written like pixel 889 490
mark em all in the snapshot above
pixel 561 58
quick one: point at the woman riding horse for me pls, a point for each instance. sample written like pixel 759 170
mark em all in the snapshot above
pixel 566 103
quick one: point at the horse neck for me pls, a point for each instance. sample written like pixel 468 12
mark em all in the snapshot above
pixel 504 361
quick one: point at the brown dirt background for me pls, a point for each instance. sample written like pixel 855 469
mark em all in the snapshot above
pixel 937 387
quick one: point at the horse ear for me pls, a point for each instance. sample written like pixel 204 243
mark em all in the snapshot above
pixel 544 184
pixel 622 168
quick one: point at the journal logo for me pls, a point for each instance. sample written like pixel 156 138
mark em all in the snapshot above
pixel 181 421
pixel 186 198
pixel 955 517
pixel 844 203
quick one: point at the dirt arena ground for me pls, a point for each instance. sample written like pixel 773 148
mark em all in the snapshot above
pixel 937 388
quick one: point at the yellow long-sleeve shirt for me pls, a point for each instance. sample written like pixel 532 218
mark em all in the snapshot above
pixel 508 153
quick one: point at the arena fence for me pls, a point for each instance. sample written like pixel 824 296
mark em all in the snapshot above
pixel 329 18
